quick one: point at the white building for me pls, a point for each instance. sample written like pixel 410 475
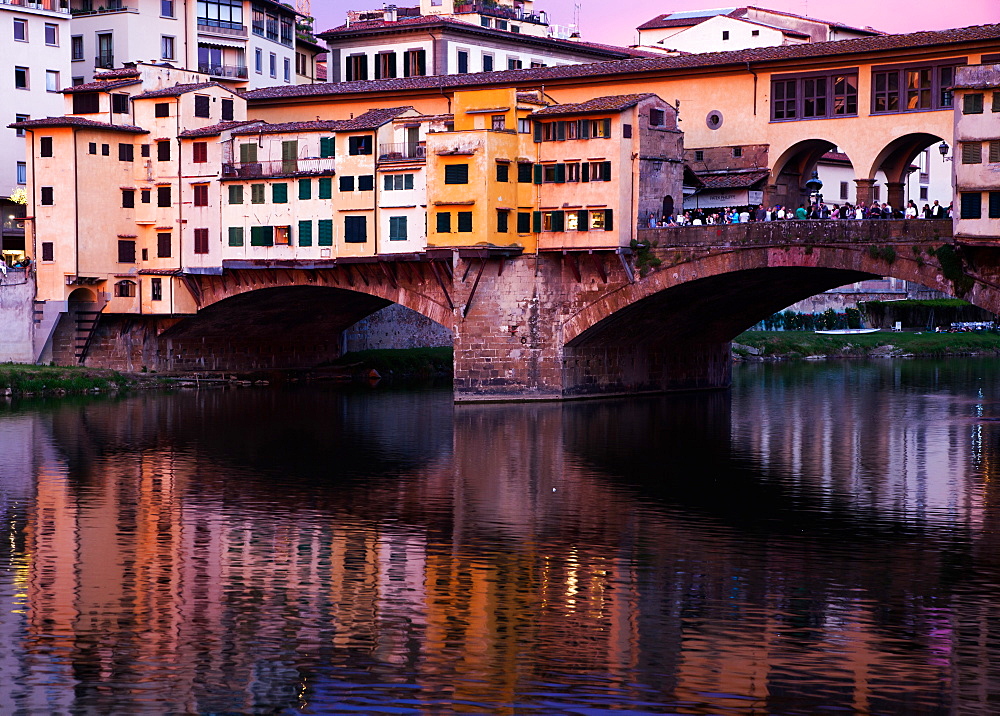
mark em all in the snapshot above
pixel 977 153
pixel 249 43
pixel 34 50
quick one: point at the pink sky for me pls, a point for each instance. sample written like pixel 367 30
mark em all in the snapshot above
pixel 611 23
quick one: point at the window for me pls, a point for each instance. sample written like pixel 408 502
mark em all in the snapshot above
pixel 397 182
pixel 22 172
pixel 485 22
pixel 327 146
pixel 145 196
pixel 994 151
pixel 119 103
pixel 385 65
pixel 355 229
pixel 199 152
pixel 302 64
pixel 279 193
pixel 573 171
pixel 737 152
pixel 972 153
pixel 156 289
pixel 357 67
pixel 227 14
pixel 814 96
pixel 463 62
pixel 996 102
pixel 262 236
pixel 325 189
pixel 272 65
pixel 397 228
pixel 126 251
pixel 166 47
pixel 464 221
pixel 201 105
pixel 77 81
pixel 524 126
pixel 163 196
pixel 105 150
pixel 601 219
pixel 163 245
pixel 755 33
pixel 282 235
pixel 305 189
pixel 503 172
pixel 125 152
pixel 48 198
pixel 657 118
pixel 503 218
pixel 256 193
pixel 971 205
pixel 908 89
pixel 600 128
pixel 236 236
pixel 523 222
pixel 166 8
pixel 305 233
pixel 456 174
pixel 498 122
pixel 524 173
pixel 248 153
pixel 443 222
pixel 415 63
pixel 76 47
pixel 626 131
pixel 487 63
pixel 163 150
pixel 287 65
pixel 200 194
pixel 20 78
pixel 513 63
pixel 161 109
pixel 47 253
pixel 359 145
pixel 126 288
pixel 844 189
pixel 235 193
pixel 725 34
pixel 227 110
pixel 994 205
pixel 45 146
pixel 972 103
pixel 20 30
pixel 596 171
pixel 258 61
pixel 923 193
pixel 51 35
pixel 324 232
pixel 347 183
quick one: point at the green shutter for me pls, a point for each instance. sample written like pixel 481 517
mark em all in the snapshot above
pixel 305 188
pixel 324 236
pixel 607 127
pixel 583 220
pixel 407 181
pixel 355 229
pixel 536 222
pixel 305 233
pixel 609 223
pixel 560 173
pixel 443 225
pixel 235 193
pixel 289 156
pixel 397 228
pixel 538 131
pixel 248 153
pixel 523 222
pixel 560 131
pixel 257 193
pixel 465 221
pixel 584 131
pixel 235 235
pixel 606 170
pixel 279 193
pixel 262 236
pixel 327 146
pixel 558 221
pixel 585 171
pixel 326 188
pixel 538 173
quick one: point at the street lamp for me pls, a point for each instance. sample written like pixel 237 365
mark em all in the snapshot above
pixel 814 186
pixel 943 149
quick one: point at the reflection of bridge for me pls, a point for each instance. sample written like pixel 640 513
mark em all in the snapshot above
pixel 561 324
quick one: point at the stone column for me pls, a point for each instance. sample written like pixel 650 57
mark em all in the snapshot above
pixel 896 194
pixel 864 190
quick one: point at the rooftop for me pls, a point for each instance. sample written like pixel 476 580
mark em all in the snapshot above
pixel 178 90
pixel 615 103
pixel 101 86
pixel 695 17
pixel 76 122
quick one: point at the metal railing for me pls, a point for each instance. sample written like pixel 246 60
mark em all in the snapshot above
pixel 278 167
pixel 239 31
pixel 50 5
pixel 112 6
pixel 503 11
pixel 237 71
pixel 105 61
pixel 401 152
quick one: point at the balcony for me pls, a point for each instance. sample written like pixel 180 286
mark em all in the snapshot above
pixel 503 11
pixel 206 27
pixel 105 61
pixel 112 6
pixel 402 152
pixel 278 167
pixel 237 72
pixel 49 5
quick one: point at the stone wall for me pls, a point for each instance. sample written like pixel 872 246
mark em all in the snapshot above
pixel 396 327
pixel 17 293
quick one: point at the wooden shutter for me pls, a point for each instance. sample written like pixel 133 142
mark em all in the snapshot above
pixel 583 220
pixel 163 245
pixel 262 236
pixel 609 223
pixel 443 222
pixel 465 221
pixel 355 229
pixel 560 173
pixel 538 128
pixel 539 173
pixel 279 193
pixel 248 152
pixel 585 171
pixel 536 222
pixel 558 221
pixel 994 151
pixel 972 103
pixel 326 188
pixel 324 234
pixel 972 152
pixel 606 171
pixel 305 189
pixel 456 174
pixel 523 222
pixel 305 233
pixel 235 235
pixel 327 146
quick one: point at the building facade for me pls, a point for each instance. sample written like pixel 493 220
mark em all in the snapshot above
pixel 977 153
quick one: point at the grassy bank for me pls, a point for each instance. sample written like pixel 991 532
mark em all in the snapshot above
pixel 803 344
pixel 20 380
pixel 402 363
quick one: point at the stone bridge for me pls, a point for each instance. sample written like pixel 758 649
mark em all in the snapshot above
pixel 558 324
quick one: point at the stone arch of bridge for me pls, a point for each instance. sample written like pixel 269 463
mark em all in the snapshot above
pixel 793 168
pixel 895 160
pixel 715 298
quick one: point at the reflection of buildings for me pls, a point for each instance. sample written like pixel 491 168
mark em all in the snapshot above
pixel 255 567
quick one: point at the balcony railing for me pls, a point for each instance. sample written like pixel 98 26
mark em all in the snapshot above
pixel 235 71
pixel 102 9
pixel 50 5
pixel 278 167
pixel 230 31
pixel 503 11
pixel 402 152
pixel 105 61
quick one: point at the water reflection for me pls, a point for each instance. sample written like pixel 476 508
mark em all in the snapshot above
pixel 820 537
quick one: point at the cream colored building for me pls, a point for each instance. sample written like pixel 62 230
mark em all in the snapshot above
pixel 977 154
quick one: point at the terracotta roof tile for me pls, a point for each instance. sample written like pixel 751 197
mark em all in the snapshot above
pixel 101 86
pixel 668 20
pixel 372 119
pixel 123 73
pixel 215 130
pixel 782 53
pixel 732 180
pixel 178 90
pixel 615 103
pixel 56 122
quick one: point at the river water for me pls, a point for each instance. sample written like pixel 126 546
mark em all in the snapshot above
pixel 822 538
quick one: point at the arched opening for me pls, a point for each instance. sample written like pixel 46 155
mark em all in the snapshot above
pixel 791 171
pixel 915 170
pixel 270 328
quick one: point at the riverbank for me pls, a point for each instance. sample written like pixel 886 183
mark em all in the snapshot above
pixel 20 380
pixel 797 345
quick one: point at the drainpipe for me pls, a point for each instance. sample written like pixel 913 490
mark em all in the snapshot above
pixel 180 200
pixel 376 192
pixel 34 208
pixel 76 205
pixel 754 89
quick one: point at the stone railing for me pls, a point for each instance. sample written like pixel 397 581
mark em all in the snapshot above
pixel 777 233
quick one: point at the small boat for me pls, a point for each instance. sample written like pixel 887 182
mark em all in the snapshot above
pixel 847 331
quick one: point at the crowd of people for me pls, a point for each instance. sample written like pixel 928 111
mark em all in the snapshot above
pixel 804 212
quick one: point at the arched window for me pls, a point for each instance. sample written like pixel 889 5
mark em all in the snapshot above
pixel 125 289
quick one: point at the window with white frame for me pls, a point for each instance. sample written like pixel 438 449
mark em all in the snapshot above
pixel 51 35
pixel 52 81
pixel 166 47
